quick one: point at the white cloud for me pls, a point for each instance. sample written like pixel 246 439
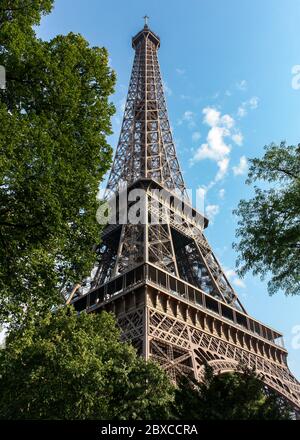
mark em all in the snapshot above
pixel 216 148
pixel 211 211
pixel 251 104
pixel 233 277
pixel 238 138
pixel 180 71
pixel 242 112
pixel 241 168
pixel 242 85
pixel 196 136
pixel 239 283
pixel 184 96
pixel 211 116
pixel 229 273
pixel 228 121
pixel 223 167
pixel 167 89
pixel 222 193
pixel 188 117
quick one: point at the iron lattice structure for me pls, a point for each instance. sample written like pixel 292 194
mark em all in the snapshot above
pixel 161 278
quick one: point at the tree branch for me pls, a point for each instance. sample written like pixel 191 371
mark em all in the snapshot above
pixel 282 170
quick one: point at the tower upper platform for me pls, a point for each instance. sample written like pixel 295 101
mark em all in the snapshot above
pixel 143 35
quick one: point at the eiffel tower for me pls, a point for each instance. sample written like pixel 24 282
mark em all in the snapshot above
pixel 161 278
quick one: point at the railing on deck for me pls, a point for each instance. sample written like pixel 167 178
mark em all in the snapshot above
pixel 171 284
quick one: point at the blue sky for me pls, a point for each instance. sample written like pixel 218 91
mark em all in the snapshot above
pixel 227 68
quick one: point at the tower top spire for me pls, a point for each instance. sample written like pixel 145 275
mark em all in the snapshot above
pixel 146 32
pixel 146 18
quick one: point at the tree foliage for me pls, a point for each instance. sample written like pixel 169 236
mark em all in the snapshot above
pixel 269 223
pixel 229 396
pixel 70 366
pixel 55 116
pixel 75 367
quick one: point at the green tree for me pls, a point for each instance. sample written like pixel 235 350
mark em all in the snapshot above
pixel 229 396
pixel 55 116
pixel 75 367
pixel 269 223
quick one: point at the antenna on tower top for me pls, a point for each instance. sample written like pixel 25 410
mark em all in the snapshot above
pixel 146 18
